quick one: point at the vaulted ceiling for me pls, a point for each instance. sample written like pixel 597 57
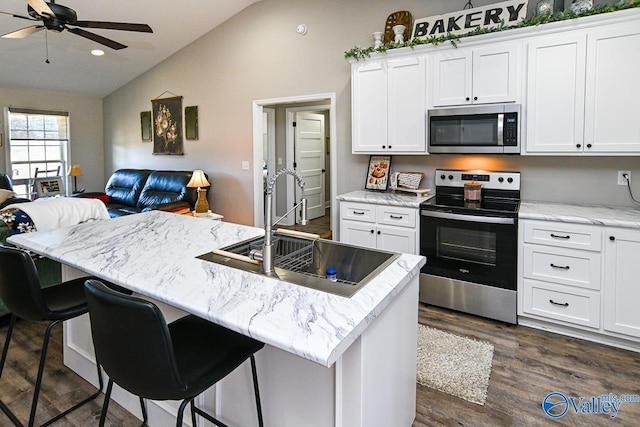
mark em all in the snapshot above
pixel 71 66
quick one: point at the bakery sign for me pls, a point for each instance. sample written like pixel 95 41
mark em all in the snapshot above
pixel 505 14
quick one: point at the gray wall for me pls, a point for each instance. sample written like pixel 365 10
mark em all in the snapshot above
pixel 85 123
pixel 258 55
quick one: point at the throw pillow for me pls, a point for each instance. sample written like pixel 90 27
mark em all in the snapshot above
pixel 5 195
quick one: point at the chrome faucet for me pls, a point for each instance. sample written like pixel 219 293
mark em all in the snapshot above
pixel 266 255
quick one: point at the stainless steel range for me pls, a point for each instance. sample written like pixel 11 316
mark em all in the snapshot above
pixel 469 234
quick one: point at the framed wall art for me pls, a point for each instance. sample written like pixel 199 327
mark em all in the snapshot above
pixel 145 125
pixel 167 126
pixel 378 173
pixel 191 122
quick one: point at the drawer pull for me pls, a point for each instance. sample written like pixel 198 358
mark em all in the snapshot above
pixel 358 213
pixel 395 217
pixel 566 304
pixel 556 236
pixel 561 267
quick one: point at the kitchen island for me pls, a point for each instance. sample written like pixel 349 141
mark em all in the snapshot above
pixel 329 360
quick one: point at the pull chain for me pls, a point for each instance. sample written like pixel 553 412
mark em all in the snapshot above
pixel 46 39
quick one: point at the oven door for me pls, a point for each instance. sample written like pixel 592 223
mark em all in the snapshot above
pixel 472 248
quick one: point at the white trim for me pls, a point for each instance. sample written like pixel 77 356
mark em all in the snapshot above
pixel 258 202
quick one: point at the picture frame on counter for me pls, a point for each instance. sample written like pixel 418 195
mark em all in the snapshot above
pixel 378 173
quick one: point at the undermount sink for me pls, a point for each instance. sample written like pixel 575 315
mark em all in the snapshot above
pixel 304 262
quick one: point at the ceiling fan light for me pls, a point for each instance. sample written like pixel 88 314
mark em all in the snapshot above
pixel 97 52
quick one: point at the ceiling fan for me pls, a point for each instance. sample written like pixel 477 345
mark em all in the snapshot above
pixel 56 17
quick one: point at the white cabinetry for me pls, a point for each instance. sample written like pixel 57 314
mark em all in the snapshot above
pixel 478 75
pixel 581 87
pixel 389 106
pixel 621 285
pixel 390 228
pixel 580 280
pixel 561 266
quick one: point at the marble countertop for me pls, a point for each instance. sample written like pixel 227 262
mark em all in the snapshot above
pixel 154 254
pixel 626 217
pixel 392 198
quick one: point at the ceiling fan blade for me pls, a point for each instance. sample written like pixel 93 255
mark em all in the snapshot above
pixel 25 32
pixel 41 7
pixel 96 38
pixel 143 28
pixel 19 16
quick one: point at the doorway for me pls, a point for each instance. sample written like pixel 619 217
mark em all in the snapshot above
pixel 308 147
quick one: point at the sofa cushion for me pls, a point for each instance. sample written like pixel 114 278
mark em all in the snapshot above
pixel 165 187
pixel 125 185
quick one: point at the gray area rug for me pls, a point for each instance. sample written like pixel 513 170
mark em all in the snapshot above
pixel 453 364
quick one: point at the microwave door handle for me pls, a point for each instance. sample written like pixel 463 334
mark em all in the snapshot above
pixel 469 218
pixel 501 129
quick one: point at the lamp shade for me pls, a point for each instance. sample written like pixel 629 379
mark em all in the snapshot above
pixel 198 179
pixel 75 170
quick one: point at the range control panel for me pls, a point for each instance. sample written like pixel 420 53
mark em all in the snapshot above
pixel 493 180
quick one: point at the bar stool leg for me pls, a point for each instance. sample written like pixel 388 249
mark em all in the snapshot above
pixel 256 390
pixel 5 350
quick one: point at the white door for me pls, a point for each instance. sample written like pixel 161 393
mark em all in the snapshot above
pixel 309 155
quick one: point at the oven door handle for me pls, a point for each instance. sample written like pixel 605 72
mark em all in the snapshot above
pixel 469 218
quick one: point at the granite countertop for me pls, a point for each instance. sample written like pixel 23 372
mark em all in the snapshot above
pixel 392 198
pixel 154 253
pixel 626 217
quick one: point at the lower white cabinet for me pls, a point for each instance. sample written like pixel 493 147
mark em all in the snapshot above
pixel 580 280
pixel 390 228
pixel 622 286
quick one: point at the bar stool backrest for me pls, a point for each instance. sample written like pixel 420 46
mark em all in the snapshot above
pixel 133 343
pixel 20 285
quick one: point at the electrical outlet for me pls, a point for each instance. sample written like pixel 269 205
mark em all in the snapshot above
pixel 623 176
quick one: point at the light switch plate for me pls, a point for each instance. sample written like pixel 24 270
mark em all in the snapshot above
pixel 245 165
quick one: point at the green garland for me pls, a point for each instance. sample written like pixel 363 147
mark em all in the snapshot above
pixel 359 53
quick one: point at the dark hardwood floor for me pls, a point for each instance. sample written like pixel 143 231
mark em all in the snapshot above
pixel 320 226
pixel 527 365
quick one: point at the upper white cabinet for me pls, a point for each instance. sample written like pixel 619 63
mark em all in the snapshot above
pixel 555 93
pixel 581 90
pixel 389 106
pixel 477 75
pixel 613 89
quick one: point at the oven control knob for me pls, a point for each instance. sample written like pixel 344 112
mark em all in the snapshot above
pixel 451 177
pixel 501 180
pixel 509 180
pixel 442 176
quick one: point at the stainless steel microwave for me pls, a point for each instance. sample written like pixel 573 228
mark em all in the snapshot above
pixel 487 129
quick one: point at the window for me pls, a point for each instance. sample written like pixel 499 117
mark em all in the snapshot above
pixel 38 147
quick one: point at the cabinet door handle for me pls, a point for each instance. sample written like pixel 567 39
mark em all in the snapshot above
pixel 578 145
pixel 467 98
pixel 358 213
pixel 566 304
pixel 475 98
pixel 395 216
pixel 612 238
pixel 561 267
pixel 589 145
pixel 371 231
pixel 379 232
pixel 557 236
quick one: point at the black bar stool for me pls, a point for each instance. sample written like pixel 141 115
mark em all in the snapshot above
pixel 154 360
pixel 21 292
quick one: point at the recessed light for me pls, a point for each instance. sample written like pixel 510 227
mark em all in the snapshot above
pixel 97 52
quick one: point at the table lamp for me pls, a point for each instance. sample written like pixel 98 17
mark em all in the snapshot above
pixel 75 172
pixel 199 180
